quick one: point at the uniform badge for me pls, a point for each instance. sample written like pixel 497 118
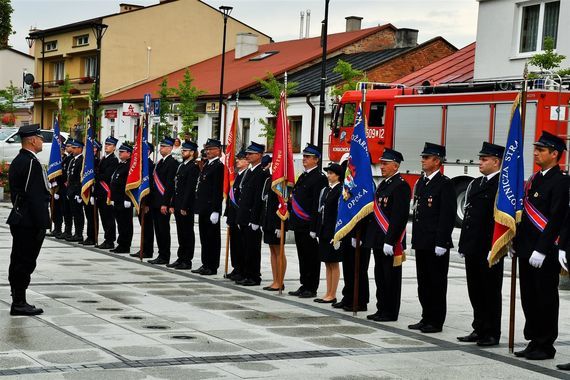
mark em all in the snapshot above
pixel 536 195
pixel 385 201
pixel 430 201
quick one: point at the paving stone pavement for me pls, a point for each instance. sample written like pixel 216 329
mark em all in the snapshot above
pixel 110 316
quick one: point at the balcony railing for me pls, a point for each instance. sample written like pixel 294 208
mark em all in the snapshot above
pixel 79 86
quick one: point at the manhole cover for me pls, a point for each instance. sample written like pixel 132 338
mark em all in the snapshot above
pixel 183 337
pixel 88 301
pixel 156 327
pixel 131 317
pixel 109 309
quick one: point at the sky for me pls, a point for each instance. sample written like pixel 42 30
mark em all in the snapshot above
pixel 455 20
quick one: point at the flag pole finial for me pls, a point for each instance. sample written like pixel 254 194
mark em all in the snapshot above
pixel 237 99
pixel 285 83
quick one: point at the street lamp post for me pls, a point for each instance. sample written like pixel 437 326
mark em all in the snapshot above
pixel 31 40
pixel 98 31
pixel 323 81
pixel 226 10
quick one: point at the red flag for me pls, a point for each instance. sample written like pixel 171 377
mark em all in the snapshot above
pixel 230 171
pixel 134 178
pixel 283 177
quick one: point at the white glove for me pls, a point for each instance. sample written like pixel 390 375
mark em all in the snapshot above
pixel 536 259
pixel 463 256
pixel 92 200
pixel 510 251
pixel 78 199
pixel 254 227
pixel 226 220
pixel 56 196
pixel 440 251
pixel 313 235
pixel 562 259
pixel 336 245
pixel 127 204
pixel 388 249
pixel 278 233
pixel 353 242
pixel 52 185
pixel 215 217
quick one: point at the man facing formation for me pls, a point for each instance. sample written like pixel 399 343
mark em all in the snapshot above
pixel 122 207
pixel 433 220
pixel 74 191
pixel 107 167
pixel 484 284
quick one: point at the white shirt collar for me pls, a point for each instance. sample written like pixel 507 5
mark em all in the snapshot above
pixel 393 175
pixel 492 175
pixel 35 155
pixel 165 157
pixel 241 171
pixel 310 170
pixel 253 167
pixel 545 171
pixel 333 185
pixel 430 177
pixel 213 159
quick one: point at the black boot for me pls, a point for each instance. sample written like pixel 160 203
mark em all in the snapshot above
pixel 20 306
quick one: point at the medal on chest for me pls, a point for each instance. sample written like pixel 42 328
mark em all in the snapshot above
pixel 430 201
pixel 385 200
pixel 536 194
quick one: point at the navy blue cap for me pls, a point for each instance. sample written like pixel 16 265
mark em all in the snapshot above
pixel 489 149
pixel 30 130
pixel 431 149
pixel 312 150
pixel 189 145
pixel 241 155
pixel 335 168
pixel 167 141
pixel 255 148
pixel 126 148
pixel 97 144
pixel 111 140
pixel 548 140
pixel 212 143
pixel 150 147
pixel 392 155
pixel 69 141
pixel 77 144
pixel 266 160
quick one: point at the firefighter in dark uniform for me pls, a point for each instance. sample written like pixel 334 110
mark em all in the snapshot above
pixel 563 249
pixel 209 197
pixel 302 210
pixel 57 215
pixel 122 207
pixel 183 205
pixel 484 284
pixel 107 167
pixel 62 189
pixel 435 207
pixel 237 250
pixel 545 200
pixel 29 217
pixel 148 249
pixel 89 208
pixel 387 242
pixel 161 199
pixel 74 191
pixel 249 214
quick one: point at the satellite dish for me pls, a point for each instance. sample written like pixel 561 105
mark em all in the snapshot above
pixel 29 79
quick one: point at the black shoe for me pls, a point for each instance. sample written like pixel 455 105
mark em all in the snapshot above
pixel 350 308
pixel 297 292
pixel 120 250
pixel 173 264
pixel 270 289
pixel 307 294
pixel 338 305
pixel 416 326
pixel 563 367
pixel 105 245
pixel 377 317
pixel 74 238
pixel 539 354
pixel 249 282
pixel 329 301
pixel 25 309
pixel 87 242
pixel 183 266
pixel 138 254
pixel 209 272
pixel 526 351
pixel 199 270
pixel 471 338
pixel 488 341
pixel 430 329
pixel 158 261
pixel 63 236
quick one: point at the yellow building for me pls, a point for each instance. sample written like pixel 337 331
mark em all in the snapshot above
pixel 140 43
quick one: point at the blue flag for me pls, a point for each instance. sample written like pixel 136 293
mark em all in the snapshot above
pixel 358 188
pixel 138 181
pixel 54 167
pixel 88 170
pixel 509 200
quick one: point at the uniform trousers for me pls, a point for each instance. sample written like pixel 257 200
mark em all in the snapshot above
pixel 26 245
pixel 309 260
pixel 484 285
pixel 67 215
pixel 431 272
pixel 186 237
pixel 348 274
pixel 57 215
pixel 107 220
pixel 252 253
pixel 124 218
pixel 540 303
pixel 210 239
pixel 78 216
pixel 388 280
pixel 162 230
pixel 90 215
pixel 237 249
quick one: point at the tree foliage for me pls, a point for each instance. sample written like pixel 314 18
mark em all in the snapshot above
pixel 8 102
pixel 96 99
pixel 187 94
pixel 164 94
pixel 549 59
pixel 6 11
pixel 350 77
pixel 66 106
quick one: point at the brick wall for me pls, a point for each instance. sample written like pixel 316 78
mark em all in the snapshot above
pixel 383 39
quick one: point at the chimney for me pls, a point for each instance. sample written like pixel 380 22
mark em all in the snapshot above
pixel 353 23
pixel 308 30
pixel 302 25
pixel 123 7
pixel 406 38
pixel 246 44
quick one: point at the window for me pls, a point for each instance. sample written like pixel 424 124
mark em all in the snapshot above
pixel 538 21
pixel 347 114
pixel 295 125
pixel 376 115
pixel 51 45
pixel 262 56
pixel 245 123
pixel 58 70
pixel 90 66
pixel 215 127
pixel 81 40
pixel 272 123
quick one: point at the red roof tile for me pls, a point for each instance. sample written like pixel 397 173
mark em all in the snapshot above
pixel 458 67
pixel 243 73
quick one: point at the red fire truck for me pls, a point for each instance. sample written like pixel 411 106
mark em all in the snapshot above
pixel 459 116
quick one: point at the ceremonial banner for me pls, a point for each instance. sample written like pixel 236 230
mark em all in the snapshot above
pixel 138 181
pixel 88 170
pixel 358 188
pixel 229 170
pixel 54 167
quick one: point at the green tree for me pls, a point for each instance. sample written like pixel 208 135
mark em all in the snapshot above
pixel 164 94
pixel 187 94
pixel 6 11
pixel 65 112
pixel 92 99
pixel 274 88
pixel 8 102
pixel 350 77
pixel 549 59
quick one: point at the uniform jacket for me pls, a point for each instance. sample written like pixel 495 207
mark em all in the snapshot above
pixel 306 194
pixel 478 223
pixel 107 167
pixel 270 221
pixel 231 208
pixel 564 243
pixel 327 212
pixel 119 182
pixel 209 193
pixel 62 179
pixel 33 198
pixel 185 186
pixel 435 207
pixel 74 176
pixel 549 194
pixel 250 200
pixel 393 197
pixel 165 170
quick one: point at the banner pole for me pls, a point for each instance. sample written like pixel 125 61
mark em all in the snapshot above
pixel 280 263
pixel 356 274
pixel 95 217
pixel 228 232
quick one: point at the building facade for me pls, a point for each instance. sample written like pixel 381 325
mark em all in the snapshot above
pixel 13 65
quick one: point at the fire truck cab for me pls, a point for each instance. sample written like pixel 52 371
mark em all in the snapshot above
pixel 460 117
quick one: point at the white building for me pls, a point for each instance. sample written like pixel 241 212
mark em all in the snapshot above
pixel 13 64
pixel 509 32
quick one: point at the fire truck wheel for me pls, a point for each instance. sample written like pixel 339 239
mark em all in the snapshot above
pixel 460 190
